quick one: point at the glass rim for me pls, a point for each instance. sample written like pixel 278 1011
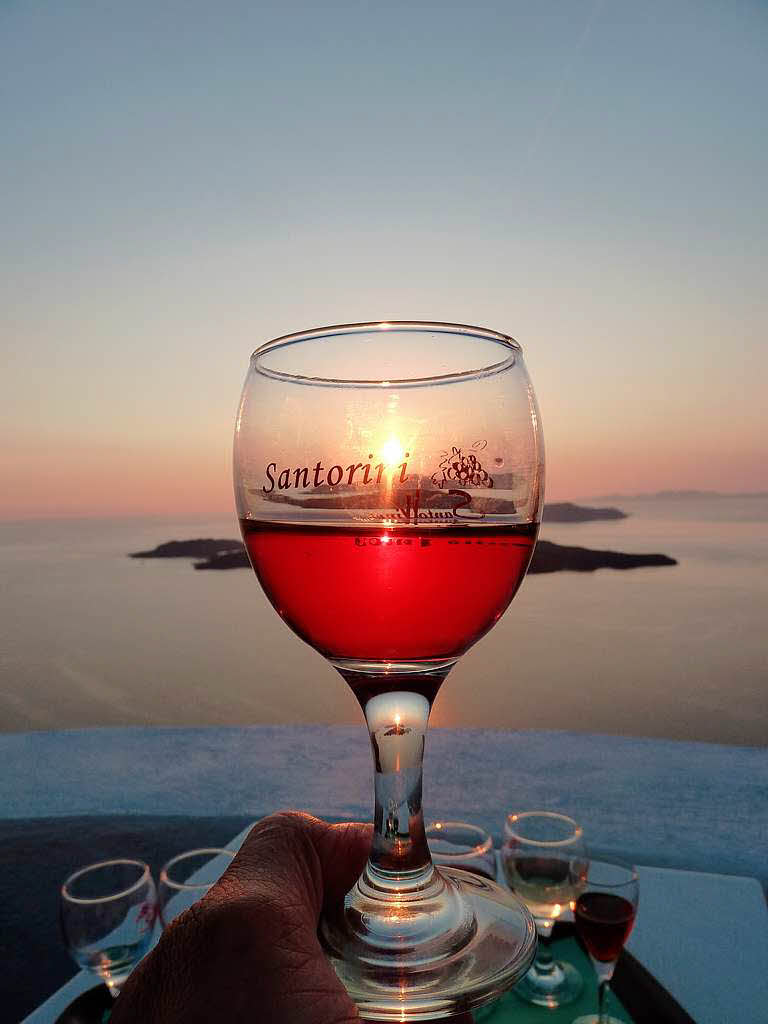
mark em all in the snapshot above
pixel 612 862
pixel 89 900
pixel 483 846
pixel 576 835
pixel 211 851
pixel 318 333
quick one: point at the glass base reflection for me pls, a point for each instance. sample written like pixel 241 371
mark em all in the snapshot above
pixel 456 946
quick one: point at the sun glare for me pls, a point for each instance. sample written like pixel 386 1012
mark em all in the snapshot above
pixel 392 452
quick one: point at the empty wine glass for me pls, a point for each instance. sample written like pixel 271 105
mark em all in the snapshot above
pixel 458 844
pixel 604 914
pixel 544 863
pixel 187 878
pixel 107 913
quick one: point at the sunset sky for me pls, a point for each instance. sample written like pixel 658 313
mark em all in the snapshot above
pixel 181 181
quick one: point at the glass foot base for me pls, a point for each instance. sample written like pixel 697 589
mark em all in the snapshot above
pixel 557 986
pixel 395 970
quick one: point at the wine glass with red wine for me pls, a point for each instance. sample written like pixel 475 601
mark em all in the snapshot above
pixel 389 479
pixel 604 914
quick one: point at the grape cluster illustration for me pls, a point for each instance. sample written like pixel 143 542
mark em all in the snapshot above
pixel 462 470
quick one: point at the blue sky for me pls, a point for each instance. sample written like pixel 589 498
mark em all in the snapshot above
pixel 181 181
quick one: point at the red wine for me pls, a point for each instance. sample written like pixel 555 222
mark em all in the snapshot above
pixel 393 594
pixel 604 921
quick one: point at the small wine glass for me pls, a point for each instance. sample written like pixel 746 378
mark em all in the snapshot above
pixel 187 878
pixel 107 913
pixel 544 861
pixel 457 844
pixel 604 914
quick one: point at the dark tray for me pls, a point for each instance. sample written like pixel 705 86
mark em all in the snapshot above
pixel 635 997
pixel 646 1000
pixel 642 999
pixel 92 1007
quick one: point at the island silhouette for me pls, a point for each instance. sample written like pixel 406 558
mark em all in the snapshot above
pixel 547 557
pixel 567 512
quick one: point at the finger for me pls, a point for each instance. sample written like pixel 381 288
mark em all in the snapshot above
pixel 298 857
pixel 343 850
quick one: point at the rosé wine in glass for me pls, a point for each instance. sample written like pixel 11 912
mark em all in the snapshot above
pixel 389 483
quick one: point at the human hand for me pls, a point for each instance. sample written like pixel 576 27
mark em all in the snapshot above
pixel 249 951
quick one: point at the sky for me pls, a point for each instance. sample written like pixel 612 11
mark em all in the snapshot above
pixel 181 181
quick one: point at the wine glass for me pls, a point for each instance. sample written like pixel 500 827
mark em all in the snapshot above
pixel 107 913
pixel 461 845
pixel 604 914
pixel 388 479
pixel 187 877
pixel 544 863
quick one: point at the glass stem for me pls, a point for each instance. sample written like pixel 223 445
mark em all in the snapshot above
pixel 602 992
pixel 400 860
pixel 604 971
pixel 545 962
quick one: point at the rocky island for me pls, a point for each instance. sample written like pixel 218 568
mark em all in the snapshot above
pixel 547 556
pixel 567 512
pixel 202 547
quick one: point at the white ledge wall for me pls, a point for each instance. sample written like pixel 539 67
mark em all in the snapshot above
pixel 690 805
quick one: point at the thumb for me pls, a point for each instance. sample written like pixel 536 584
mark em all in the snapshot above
pixel 300 858
pixel 342 850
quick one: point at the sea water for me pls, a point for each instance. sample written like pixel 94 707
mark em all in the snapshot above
pixel 90 637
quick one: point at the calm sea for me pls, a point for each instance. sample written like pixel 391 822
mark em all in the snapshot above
pixel 90 637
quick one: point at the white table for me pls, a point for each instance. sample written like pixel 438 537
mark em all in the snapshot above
pixel 704 936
